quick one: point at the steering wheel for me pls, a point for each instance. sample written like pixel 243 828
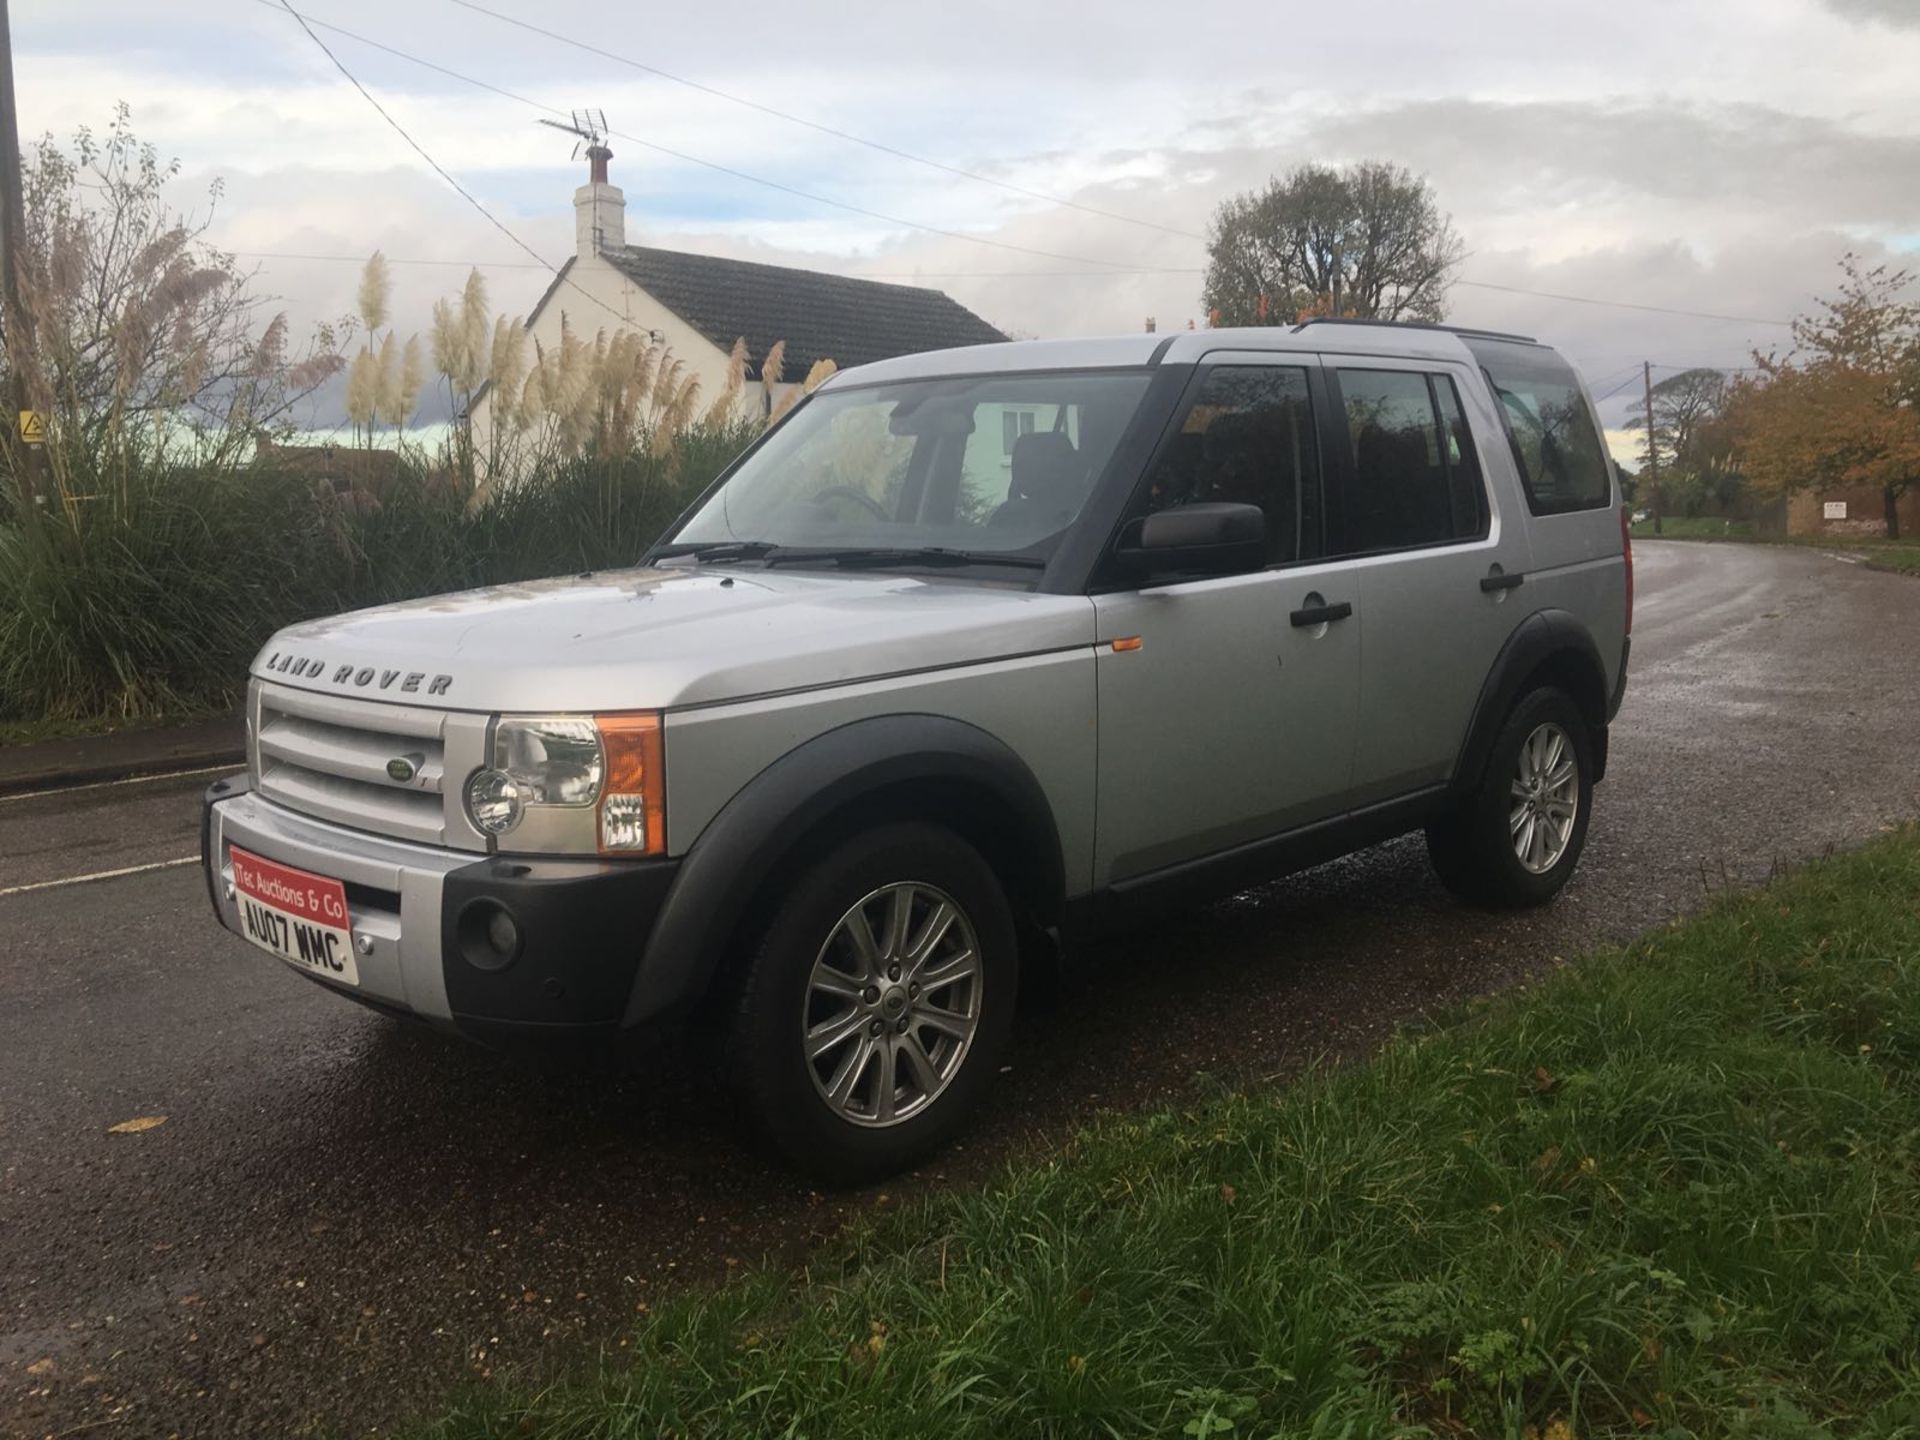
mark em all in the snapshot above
pixel 847 492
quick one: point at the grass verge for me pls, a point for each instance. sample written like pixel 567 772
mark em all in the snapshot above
pixel 32 732
pixel 1703 527
pixel 1902 557
pixel 1674 1190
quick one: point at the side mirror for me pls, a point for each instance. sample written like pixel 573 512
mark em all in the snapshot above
pixel 1204 538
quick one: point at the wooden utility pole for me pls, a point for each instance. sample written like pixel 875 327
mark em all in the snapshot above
pixel 13 230
pixel 1653 450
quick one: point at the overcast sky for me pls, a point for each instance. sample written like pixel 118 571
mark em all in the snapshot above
pixel 1706 155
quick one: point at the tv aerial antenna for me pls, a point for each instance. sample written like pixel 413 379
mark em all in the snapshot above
pixel 590 129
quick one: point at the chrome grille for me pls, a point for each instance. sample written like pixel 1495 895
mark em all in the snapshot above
pixel 327 756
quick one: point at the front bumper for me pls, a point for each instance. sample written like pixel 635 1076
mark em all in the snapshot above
pixel 417 916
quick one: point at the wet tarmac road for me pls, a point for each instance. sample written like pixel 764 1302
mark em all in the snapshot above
pixel 343 1217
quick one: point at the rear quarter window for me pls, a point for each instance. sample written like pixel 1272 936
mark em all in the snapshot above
pixel 1556 443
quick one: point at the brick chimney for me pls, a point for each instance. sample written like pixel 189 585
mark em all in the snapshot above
pixel 599 208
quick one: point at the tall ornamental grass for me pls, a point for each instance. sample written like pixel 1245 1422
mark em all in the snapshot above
pixel 148 596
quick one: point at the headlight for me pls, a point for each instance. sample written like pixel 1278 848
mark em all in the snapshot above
pixel 494 802
pixel 553 760
pixel 573 784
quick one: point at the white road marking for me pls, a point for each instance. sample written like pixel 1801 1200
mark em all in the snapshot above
pixel 100 875
pixel 232 766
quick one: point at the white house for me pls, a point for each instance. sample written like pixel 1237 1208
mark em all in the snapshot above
pixel 699 305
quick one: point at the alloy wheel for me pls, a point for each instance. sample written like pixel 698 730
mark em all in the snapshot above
pixel 1545 798
pixel 892 1004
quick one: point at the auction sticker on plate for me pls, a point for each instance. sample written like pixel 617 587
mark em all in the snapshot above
pixel 298 916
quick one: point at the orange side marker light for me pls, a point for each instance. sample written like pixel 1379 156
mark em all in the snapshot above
pixel 1128 642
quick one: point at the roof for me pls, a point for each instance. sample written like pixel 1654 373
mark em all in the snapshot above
pixel 1177 347
pixel 821 317
pixel 1465 332
pixel 1107 352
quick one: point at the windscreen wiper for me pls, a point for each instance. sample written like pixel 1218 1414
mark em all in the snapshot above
pixel 874 557
pixel 704 550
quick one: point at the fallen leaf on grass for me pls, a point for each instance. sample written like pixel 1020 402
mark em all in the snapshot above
pixel 137 1125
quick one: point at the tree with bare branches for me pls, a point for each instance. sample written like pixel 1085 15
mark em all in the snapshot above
pixel 144 335
pixel 1367 240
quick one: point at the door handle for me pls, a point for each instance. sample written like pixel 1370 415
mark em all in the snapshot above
pixel 1320 614
pixel 1491 583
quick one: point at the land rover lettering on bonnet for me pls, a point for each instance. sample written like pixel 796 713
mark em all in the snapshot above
pixel 972 656
pixel 406 682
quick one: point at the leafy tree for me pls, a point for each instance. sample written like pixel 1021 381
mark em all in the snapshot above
pixel 1690 441
pixel 1840 408
pixel 1372 233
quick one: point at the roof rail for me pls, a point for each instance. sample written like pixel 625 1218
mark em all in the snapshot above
pixel 1461 330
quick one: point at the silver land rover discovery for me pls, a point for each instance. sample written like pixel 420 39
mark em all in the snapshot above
pixel 975 651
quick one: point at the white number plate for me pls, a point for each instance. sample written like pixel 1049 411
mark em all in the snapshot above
pixel 298 916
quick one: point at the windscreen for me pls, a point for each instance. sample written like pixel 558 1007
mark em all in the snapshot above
pixel 988 464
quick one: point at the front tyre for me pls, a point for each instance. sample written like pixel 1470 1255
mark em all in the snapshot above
pixel 872 1016
pixel 1514 842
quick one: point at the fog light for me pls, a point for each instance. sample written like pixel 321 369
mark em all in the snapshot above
pixel 494 802
pixel 502 933
pixel 489 936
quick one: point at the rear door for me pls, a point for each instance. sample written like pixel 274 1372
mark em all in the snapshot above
pixel 1222 719
pixel 1437 554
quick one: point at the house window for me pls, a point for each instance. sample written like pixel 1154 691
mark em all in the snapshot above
pixel 1014 424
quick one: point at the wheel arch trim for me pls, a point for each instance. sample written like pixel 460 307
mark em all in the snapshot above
pixel 1546 641
pixel 768 821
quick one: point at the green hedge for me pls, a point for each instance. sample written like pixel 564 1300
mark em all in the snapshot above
pixel 146 594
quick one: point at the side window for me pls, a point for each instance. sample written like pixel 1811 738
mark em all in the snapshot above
pixel 1555 441
pixel 1248 438
pixel 1415 479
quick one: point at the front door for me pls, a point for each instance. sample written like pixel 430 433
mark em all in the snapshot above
pixel 1227 704
pixel 1439 559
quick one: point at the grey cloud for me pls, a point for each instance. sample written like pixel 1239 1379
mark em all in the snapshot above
pixel 1888 12
pixel 1747 158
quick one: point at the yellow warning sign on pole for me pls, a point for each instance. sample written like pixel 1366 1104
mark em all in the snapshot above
pixel 33 427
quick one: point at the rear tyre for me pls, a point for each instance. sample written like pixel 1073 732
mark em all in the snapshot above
pixel 871 1018
pixel 1514 842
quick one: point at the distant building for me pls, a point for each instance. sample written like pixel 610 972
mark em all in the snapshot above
pixel 1854 510
pixel 701 304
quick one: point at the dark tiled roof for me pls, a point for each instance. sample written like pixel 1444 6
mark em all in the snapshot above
pixel 821 317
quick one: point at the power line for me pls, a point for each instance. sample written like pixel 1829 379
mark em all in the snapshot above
pixel 391 260
pixel 838 134
pixel 1107 267
pixel 1620 304
pixel 1631 377
pixel 681 154
pixel 438 169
